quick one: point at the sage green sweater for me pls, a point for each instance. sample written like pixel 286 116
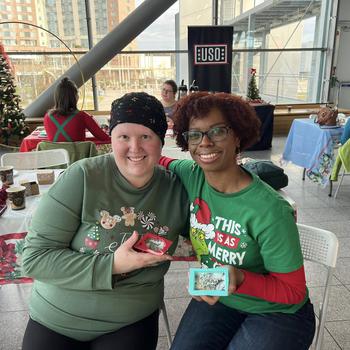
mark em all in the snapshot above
pixel 79 223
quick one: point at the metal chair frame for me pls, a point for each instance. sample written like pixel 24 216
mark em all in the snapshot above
pixel 166 323
pixel 344 173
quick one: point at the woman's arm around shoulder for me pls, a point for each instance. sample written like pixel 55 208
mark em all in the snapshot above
pixel 165 161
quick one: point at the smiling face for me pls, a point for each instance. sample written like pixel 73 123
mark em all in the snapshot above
pixel 214 156
pixel 136 150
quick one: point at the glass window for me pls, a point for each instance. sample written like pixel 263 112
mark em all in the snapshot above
pixel 283 76
pixel 133 72
pixel 160 35
pixel 264 29
pixel 9 42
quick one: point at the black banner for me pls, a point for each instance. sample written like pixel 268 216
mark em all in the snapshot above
pixel 210 57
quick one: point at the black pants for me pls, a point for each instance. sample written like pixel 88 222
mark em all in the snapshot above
pixel 140 335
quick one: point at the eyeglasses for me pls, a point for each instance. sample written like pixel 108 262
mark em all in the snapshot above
pixel 216 134
pixel 165 91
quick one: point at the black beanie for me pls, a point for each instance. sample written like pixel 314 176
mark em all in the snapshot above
pixel 139 108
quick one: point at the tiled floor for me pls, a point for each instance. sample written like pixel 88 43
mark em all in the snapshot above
pixel 314 208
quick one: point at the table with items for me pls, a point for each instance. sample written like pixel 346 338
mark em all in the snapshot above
pixel 30 142
pixel 311 146
pixel 14 225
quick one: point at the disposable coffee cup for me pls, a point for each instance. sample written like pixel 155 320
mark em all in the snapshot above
pixel 6 174
pixel 16 196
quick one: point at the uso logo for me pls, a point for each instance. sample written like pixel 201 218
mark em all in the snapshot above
pixel 210 54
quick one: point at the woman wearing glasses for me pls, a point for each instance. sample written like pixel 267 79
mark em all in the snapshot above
pixel 240 222
pixel 168 94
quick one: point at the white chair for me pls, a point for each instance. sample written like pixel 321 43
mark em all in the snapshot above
pixel 320 246
pixel 166 323
pixel 36 160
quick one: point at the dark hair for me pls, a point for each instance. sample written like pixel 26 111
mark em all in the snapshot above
pixel 172 84
pixel 66 97
pixel 239 115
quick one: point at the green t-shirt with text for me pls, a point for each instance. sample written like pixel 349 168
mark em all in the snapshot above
pixel 253 229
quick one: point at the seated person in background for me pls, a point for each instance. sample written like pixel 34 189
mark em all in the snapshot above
pixel 169 90
pixel 92 290
pixel 65 123
pixel 346 133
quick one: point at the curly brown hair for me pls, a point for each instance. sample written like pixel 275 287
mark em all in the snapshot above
pixel 239 115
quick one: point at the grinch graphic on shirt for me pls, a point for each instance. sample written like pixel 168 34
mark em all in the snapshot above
pixel 216 240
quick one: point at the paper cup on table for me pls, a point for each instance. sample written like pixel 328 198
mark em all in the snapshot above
pixel 16 196
pixel 6 174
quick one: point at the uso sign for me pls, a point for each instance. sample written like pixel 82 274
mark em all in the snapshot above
pixel 210 54
pixel 210 57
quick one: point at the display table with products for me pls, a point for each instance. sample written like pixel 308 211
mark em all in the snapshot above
pixel 311 146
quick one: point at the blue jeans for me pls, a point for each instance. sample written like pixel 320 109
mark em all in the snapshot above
pixel 219 327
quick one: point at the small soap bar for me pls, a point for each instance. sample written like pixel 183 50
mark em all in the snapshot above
pixel 153 244
pixel 213 282
pixel 45 177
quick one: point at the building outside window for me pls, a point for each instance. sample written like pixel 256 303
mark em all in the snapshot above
pixel 285 41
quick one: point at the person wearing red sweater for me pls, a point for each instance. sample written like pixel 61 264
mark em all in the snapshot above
pixel 240 222
pixel 65 123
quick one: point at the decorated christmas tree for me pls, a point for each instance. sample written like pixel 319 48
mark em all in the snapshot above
pixel 253 91
pixel 12 124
